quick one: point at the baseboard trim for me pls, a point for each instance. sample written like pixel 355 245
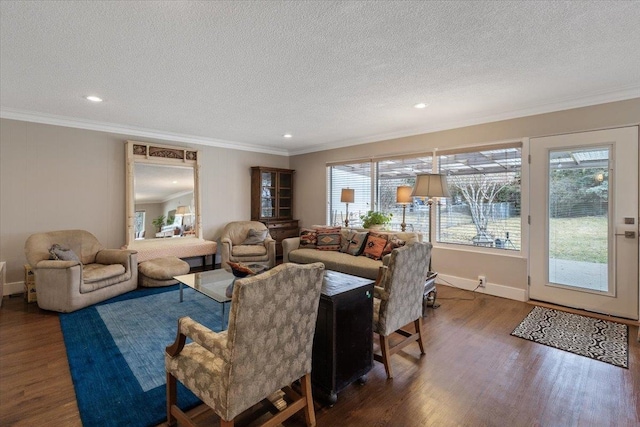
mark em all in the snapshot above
pixel 494 289
pixel 13 288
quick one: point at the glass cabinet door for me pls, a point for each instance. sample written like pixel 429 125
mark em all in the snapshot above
pixel 268 195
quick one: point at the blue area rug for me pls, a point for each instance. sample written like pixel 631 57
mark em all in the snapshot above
pixel 116 354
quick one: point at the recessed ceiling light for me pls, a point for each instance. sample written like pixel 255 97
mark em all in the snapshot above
pixel 174 182
pixel 93 98
pixel 287 135
pixel 421 105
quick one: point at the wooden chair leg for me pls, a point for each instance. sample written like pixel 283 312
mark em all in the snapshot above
pixel 418 324
pixel 386 355
pixel 171 398
pixel 224 423
pixel 309 411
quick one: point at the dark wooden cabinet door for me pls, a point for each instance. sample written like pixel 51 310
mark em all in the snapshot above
pixel 343 342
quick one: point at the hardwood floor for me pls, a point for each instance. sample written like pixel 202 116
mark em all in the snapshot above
pixel 473 374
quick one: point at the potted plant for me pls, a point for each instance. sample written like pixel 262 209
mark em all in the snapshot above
pixel 375 219
pixel 158 222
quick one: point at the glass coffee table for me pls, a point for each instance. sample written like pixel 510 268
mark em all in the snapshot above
pixel 214 284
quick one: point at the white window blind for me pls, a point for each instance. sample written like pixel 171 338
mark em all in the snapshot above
pixel 353 175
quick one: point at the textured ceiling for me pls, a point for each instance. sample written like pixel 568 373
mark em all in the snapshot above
pixel 241 74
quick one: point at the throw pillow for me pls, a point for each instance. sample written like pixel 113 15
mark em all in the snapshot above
pixel 354 243
pixel 393 243
pixel 374 246
pixel 255 237
pixel 308 238
pixel 57 252
pixel 328 239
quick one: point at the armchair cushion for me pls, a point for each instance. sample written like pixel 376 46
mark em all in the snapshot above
pixel 248 250
pixel 255 237
pixel 96 272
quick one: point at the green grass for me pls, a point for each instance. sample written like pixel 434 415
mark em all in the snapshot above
pixel 579 239
pixel 574 239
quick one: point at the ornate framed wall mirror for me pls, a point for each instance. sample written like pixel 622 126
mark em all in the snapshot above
pixel 163 196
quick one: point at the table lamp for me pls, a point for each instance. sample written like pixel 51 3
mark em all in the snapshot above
pixel 403 197
pixel 347 196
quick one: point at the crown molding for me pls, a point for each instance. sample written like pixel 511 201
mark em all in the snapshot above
pixel 130 131
pixel 620 94
pixel 560 105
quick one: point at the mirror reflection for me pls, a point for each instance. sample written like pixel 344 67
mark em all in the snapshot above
pixel 164 201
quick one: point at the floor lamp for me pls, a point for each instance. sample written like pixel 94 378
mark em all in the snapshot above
pixel 403 197
pixel 430 186
pixel 347 196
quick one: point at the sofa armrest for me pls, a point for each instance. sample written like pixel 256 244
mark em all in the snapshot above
pixel 289 245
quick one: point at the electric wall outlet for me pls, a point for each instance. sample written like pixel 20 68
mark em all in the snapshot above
pixel 482 281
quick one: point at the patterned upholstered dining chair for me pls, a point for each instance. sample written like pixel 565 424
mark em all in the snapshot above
pixel 266 348
pixel 398 299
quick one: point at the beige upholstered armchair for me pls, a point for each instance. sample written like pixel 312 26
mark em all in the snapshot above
pixel 398 299
pixel 84 273
pixel 247 242
pixel 266 348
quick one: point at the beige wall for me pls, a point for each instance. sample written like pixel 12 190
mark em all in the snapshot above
pixel 506 275
pixel 54 178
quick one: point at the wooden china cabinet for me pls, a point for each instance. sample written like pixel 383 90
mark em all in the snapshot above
pixel 272 202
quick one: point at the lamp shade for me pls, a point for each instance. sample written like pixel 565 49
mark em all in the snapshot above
pixel 347 195
pixel 431 185
pixel 403 195
pixel 182 210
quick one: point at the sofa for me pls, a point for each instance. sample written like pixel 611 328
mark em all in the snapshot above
pixel 343 254
pixel 73 270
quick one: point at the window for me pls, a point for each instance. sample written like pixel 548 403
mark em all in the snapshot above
pixel 375 184
pixel 484 208
pixel 353 175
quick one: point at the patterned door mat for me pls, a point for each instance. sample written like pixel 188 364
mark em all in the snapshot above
pixel 598 339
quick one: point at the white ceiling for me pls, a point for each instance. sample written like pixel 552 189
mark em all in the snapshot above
pixel 241 74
